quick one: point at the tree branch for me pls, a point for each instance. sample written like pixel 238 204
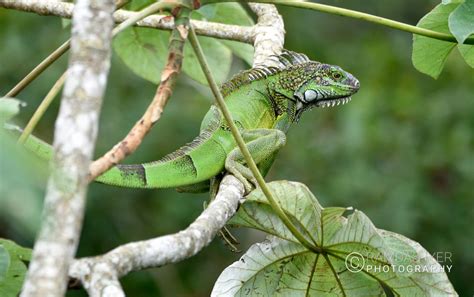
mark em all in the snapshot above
pixel 269 34
pixel 153 113
pixel 64 10
pixel 74 140
pixel 100 273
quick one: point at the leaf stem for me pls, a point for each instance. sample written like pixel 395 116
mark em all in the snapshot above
pixel 39 112
pixel 150 9
pixel 361 16
pixel 243 148
pixel 56 54
pixel 39 69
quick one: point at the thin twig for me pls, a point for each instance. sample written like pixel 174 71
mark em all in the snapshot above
pixel 56 54
pixel 242 146
pixel 163 22
pixel 153 113
pixel 144 13
pixel 368 18
pixel 59 83
pixel 39 112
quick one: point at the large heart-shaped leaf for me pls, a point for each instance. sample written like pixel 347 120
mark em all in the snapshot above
pixel 13 266
pixel 467 52
pixel 4 262
pixel 145 51
pixel 429 55
pixel 356 258
pixel 231 13
pixel 461 21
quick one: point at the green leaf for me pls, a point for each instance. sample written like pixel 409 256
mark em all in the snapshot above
pixel 230 13
pixel 10 284
pixel 4 262
pixel 227 13
pixel 136 5
pixel 21 175
pixel 303 209
pixel 218 56
pixel 15 250
pixel 242 50
pixel 9 107
pixel 451 1
pixel 357 260
pixel 145 50
pixel 467 52
pixel 461 21
pixel 429 55
pixel 65 23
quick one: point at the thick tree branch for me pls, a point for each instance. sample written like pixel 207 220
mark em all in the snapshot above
pixel 269 34
pixel 100 273
pixel 74 140
pixel 64 10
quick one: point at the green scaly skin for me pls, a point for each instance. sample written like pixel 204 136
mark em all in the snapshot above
pixel 264 102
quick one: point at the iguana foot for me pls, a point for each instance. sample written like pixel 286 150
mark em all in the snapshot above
pixel 225 235
pixel 229 240
pixel 262 144
pixel 243 174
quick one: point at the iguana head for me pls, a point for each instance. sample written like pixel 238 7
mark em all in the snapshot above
pixel 312 84
pixel 326 85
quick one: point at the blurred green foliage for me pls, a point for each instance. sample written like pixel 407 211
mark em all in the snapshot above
pixel 402 151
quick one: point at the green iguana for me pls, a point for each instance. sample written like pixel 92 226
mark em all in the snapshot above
pixel 263 101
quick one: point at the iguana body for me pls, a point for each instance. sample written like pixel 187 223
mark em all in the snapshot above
pixel 264 102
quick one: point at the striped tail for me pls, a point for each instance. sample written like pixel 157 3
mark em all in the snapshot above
pixel 197 161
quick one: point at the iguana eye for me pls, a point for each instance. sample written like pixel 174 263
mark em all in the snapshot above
pixel 336 75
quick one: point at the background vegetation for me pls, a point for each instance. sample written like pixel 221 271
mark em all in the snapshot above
pixel 402 151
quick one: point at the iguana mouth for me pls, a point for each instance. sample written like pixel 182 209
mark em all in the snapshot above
pixel 333 102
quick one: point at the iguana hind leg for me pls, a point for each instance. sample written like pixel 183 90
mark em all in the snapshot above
pixel 262 144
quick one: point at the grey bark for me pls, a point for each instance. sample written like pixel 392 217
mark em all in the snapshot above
pixel 74 139
pixel 63 9
pixel 100 274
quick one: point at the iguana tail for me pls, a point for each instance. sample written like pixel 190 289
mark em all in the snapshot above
pixel 195 162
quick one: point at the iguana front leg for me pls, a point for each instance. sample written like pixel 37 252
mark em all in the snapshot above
pixel 262 144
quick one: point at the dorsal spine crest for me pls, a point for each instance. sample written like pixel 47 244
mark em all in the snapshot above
pixel 288 60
